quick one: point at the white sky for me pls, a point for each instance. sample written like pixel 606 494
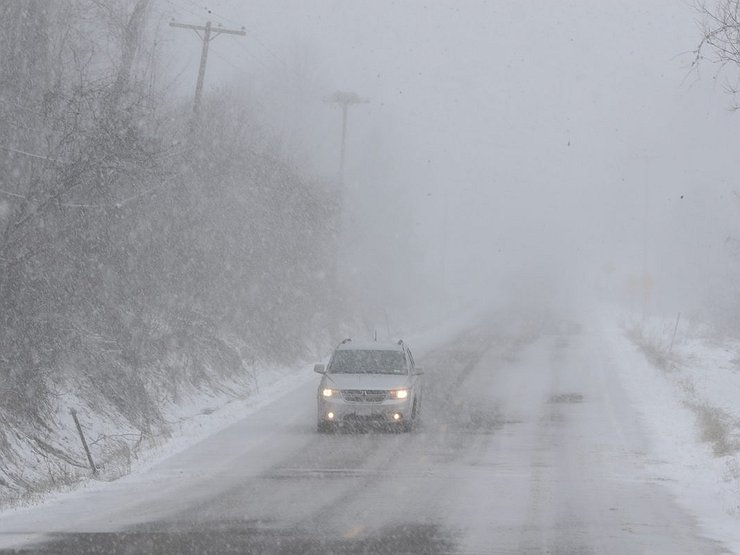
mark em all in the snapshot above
pixel 533 129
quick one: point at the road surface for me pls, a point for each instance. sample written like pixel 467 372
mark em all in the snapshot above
pixel 527 444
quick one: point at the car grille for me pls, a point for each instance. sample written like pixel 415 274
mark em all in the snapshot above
pixel 364 419
pixel 364 395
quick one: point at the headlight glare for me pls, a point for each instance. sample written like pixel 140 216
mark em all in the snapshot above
pixel 400 394
pixel 327 392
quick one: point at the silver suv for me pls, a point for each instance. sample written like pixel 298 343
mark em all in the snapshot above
pixel 369 383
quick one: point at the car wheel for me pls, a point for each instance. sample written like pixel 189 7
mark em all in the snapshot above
pixel 407 425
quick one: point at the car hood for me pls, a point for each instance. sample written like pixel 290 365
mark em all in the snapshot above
pixel 366 381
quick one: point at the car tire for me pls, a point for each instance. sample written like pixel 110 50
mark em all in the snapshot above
pixel 408 425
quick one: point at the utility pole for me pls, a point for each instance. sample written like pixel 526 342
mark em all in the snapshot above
pixel 209 33
pixel 344 100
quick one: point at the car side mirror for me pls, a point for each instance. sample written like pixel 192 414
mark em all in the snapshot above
pixel 418 371
pixel 319 368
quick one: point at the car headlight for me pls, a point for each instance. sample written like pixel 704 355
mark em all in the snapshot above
pixel 399 394
pixel 327 392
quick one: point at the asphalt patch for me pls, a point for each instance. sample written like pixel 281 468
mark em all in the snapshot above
pixel 567 398
pixel 235 537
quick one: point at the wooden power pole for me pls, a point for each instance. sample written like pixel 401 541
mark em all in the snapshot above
pixel 209 33
pixel 344 100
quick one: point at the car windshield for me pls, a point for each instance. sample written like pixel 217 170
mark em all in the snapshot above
pixel 368 362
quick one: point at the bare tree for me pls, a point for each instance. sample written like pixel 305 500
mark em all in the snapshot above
pixel 720 42
pixel 130 265
pixel 72 141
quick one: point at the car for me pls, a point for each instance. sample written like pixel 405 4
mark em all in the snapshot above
pixel 369 383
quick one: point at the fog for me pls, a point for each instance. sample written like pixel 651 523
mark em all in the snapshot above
pixel 540 198
pixel 507 149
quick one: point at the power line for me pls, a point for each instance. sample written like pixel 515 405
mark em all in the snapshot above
pixel 178 9
pixel 240 68
pixel 209 11
pixel 251 32
pixel 32 155
pixel 206 38
pixel 16 195
pixel 228 20
pixel 264 46
pixel 117 204
pixel 125 201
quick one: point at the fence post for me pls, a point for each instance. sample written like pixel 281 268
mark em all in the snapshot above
pixel 73 412
pixel 678 319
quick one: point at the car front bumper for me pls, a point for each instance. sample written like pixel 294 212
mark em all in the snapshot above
pixel 340 411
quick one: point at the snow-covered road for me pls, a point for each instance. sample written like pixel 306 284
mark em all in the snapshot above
pixel 528 444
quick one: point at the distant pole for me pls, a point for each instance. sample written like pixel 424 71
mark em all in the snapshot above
pixel 209 33
pixel 647 282
pixel 344 100
pixel 343 148
pixel 645 292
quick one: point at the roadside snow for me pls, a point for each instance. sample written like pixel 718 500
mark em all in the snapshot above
pixel 193 423
pixel 202 416
pixel 688 398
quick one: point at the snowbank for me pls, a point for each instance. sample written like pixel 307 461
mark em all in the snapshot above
pixel 687 391
pixel 195 417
